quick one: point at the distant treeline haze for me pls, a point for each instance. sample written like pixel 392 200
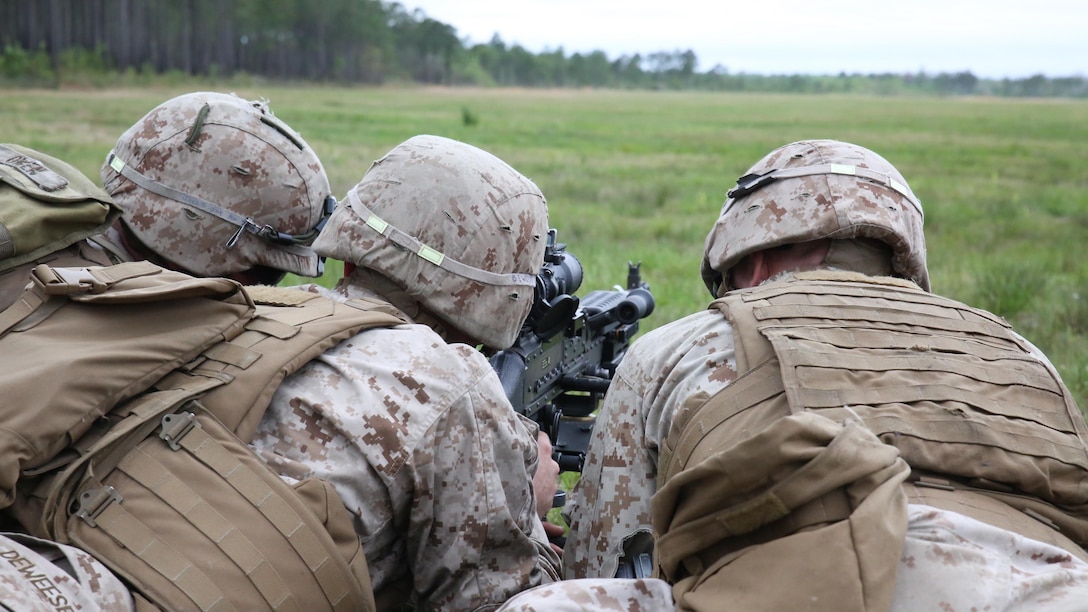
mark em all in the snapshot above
pixel 50 42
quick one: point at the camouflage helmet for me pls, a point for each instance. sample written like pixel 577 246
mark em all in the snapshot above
pixel 217 185
pixel 817 189
pixel 457 228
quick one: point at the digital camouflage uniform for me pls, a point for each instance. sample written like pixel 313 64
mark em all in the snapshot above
pixel 415 433
pixel 41 576
pixel 694 355
pixel 948 560
pixel 598 594
pixel 661 370
pixel 424 450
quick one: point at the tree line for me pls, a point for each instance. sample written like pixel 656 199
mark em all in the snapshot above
pixel 373 41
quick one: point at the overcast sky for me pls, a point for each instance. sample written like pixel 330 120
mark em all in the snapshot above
pixel 990 38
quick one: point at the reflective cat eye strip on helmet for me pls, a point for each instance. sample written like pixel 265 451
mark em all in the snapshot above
pixel 753 182
pixel 433 255
pixel 245 224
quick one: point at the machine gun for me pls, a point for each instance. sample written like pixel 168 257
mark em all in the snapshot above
pixel 568 349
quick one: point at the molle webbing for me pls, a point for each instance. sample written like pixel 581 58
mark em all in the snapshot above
pixel 149 479
pixel 291 328
pixel 950 386
pixel 695 425
pixel 56 387
pixel 212 492
pixel 180 507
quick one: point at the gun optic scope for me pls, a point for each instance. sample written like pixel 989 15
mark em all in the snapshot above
pixel 560 275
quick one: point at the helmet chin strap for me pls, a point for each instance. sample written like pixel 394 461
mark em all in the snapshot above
pixel 436 257
pixel 136 249
pixel 244 224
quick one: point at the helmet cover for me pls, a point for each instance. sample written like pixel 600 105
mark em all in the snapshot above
pixel 457 228
pixel 816 189
pixel 216 185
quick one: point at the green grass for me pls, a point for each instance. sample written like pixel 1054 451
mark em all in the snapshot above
pixel 640 175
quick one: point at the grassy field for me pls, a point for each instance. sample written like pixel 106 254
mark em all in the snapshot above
pixel 640 175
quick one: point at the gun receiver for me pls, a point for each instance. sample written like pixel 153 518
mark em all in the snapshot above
pixel 568 350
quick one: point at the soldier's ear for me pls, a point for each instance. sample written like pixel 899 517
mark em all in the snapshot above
pixel 750 271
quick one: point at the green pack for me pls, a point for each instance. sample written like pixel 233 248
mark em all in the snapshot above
pixel 45 206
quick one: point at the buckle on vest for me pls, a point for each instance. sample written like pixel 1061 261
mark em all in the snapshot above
pixel 65 281
pixel 175 426
pixel 931 482
pixel 93 501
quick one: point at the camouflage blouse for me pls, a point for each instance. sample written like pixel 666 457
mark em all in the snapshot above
pixel 424 449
